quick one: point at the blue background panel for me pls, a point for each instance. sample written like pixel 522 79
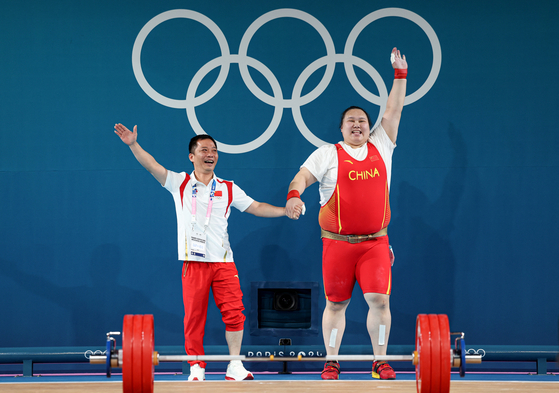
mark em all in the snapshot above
pixel 87 235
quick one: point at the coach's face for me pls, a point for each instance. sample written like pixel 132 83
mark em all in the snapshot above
pixel 205 156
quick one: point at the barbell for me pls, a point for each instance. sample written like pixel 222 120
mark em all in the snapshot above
pixel 433 356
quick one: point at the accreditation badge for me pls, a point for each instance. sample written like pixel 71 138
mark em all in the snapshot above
pixel 198 244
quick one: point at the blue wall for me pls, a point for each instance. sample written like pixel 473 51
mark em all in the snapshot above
pixel 87 235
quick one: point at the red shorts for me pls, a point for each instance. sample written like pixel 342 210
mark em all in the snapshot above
pixel 367 262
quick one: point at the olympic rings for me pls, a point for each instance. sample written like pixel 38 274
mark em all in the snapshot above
pixel 433 39
pixel 137 49
pixel 473 351
pixel 87 354
pixel 277 100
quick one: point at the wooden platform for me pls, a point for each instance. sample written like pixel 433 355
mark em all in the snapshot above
pixel 283 386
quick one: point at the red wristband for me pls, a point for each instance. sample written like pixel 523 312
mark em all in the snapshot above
pixel 400 73
pixel 293 194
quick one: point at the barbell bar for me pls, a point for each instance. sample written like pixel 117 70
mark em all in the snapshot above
pixel 433 356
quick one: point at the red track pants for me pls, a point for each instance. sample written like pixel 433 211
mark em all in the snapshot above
pixel 197 279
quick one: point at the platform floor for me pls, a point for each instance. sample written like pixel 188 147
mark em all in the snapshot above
pixel 275 383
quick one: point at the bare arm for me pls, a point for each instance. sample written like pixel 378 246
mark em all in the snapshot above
pixel 261 209
pixel 300 182
pixel 143 157
pixel 395 104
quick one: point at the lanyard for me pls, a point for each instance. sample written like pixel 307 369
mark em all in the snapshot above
pixel 210 204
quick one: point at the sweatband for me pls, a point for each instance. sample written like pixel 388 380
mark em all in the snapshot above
pixel 293 194
pixel 400 73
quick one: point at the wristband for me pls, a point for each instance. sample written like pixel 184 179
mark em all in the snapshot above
pixel 293 194
pixel 400 73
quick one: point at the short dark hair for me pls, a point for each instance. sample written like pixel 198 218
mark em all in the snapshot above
pixel 194 142
pixel 354 107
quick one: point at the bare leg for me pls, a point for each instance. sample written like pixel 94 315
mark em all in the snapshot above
pixel 333 325
pixel 379 314
pixel 234 340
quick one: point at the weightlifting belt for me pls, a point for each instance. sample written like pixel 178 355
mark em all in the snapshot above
pixel 353 239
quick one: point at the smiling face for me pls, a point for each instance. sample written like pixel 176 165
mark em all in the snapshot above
pixel 355 128
pixel 204 157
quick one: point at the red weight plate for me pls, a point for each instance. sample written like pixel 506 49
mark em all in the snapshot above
pixel 423 348
pixel 147 355
pixel 127 355
pixel 137 353
pixel 435 353
pixel 444 328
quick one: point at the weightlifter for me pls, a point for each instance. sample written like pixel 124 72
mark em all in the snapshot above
pixel 354 177
pixel 203 204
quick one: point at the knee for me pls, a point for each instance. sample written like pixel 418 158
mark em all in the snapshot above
pixel 378 301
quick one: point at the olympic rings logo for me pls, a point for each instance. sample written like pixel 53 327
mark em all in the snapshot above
pixel 278 101
pixel 472 351
pixel 87 354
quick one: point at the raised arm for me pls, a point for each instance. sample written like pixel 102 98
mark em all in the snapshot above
pixel 298 185
pixel 395 104
pixel 143 157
